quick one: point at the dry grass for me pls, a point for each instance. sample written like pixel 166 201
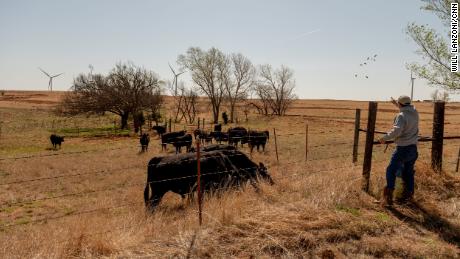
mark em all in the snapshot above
pixel 315 209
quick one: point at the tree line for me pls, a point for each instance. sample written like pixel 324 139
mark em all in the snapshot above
pixel 129 90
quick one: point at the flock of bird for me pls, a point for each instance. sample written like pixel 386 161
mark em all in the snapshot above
pixel 366 63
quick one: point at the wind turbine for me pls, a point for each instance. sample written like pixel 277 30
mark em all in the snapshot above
pixel 175 78
pixel 50 84
pixel 412 79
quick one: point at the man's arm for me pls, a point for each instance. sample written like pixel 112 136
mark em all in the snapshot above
pixel 396 130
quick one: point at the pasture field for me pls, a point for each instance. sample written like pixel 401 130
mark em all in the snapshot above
pixel 86 199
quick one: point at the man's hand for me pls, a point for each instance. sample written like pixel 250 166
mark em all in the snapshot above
pixel 382 141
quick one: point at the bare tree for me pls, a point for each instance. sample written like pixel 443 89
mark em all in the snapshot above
pixel 263 93
pixel 239 81
pixel 275 89
pixel 209 71
pixel 188 109
pixel 125 91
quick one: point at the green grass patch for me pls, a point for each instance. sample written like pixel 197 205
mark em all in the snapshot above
pixel 68 211
pixel 23 220
pixel 353 211
pixel 93 132
pixel 3 174
pixel 383 216
pixel 9 209
pixel 11 150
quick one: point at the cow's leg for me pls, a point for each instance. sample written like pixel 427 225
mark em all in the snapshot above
pixel 263 147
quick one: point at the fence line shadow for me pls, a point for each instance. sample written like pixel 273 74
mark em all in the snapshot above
pixel 430 221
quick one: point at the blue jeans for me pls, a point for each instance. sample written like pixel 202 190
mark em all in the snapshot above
pixel 403 161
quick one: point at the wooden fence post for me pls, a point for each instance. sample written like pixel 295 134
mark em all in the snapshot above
pixel 198 168
pixel 306 142
pixel 367 163
pixel 276 145
pixel 169 124
pixel 199 122
pixel 458 160
pixel 356 138
pixel 438 135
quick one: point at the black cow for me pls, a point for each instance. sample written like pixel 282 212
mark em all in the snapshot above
pixel 203 135
pixel 237 134
pixel 160 130
pixel 144 140
pixel 219 136
pixel 169 138
pixel 206 137
pixel 218 127
pixel 257 139
pixel 183 141
pixel 56 140
pixel 213 147
pixel 219 170
pixel 197 133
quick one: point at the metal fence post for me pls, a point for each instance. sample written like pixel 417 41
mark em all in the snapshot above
pixel 356 138
pixel 276 145
pixel 458 160
pixel 367 164
pixel 438 135
pixel 306 142
pixel 198 165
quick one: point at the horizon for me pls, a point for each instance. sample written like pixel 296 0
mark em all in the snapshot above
pixel 323 43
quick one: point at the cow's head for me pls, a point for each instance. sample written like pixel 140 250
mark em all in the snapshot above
pixel 263 172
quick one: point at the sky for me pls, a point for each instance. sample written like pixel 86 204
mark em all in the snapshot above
pixel 323 42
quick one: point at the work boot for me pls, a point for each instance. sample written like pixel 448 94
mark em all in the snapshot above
pixel 387 197
pixel 406 197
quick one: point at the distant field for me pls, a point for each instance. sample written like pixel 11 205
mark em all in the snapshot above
pixel 86 200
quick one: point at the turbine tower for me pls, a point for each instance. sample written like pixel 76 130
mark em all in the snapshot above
pixel 412 79
pixel 50 84
pixel 175 78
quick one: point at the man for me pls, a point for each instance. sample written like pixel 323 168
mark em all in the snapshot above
pixel 405 135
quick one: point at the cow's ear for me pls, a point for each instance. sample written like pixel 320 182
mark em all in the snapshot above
pixel 261 165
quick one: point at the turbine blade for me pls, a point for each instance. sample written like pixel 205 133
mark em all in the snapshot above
pixel 44 72
pixel 57 75
pixel 174 72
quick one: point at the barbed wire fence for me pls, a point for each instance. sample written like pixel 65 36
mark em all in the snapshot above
pixel 278 144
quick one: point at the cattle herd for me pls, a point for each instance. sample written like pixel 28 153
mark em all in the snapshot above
pixel 233 136
pixel 222 165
